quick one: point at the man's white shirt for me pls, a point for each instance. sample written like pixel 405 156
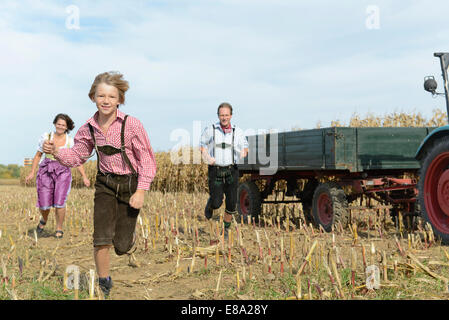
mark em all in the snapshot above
pixel 221 149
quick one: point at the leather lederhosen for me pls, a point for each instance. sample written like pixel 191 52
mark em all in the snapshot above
pixel 114 218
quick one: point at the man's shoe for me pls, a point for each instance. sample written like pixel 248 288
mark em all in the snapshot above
pixel 105 285
pixel 208 211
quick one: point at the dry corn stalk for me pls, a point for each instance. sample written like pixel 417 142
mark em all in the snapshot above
pixel 291 250
pixel 329 273
pixel 399 246
pixel 298 287
pixel 41 271
pixel 91 284
pixel 282 255
pixel 4 269
pixel 307 258
pixel 384 264
pixel 238 280
pixel 218 283
pixel 423 267
pixel 337 276
pixel 217 256
pixel 354 232
pixel 353 265
pixel 258 243
pixel 364 256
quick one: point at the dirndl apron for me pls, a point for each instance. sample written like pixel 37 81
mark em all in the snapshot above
pixel 53 183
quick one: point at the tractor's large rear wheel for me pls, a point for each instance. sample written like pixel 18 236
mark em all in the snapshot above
pixel 434 188
pixel 329 206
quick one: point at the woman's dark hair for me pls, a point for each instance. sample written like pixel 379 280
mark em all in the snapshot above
pixel 67 119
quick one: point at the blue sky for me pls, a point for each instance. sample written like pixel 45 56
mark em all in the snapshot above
pixel 280 63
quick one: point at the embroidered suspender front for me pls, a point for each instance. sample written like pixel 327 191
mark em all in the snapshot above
pixel 110 150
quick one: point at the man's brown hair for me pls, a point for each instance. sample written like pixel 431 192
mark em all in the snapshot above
pixel 224 105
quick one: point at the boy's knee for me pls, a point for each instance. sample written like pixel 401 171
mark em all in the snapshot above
pixel 122 247
pixel 119 253
pixel 121 250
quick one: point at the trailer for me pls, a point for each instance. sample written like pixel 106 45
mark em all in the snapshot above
pixel 404 168
pixel 336 165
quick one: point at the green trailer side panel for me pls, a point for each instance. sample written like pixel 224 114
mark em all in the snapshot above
pixel 339 148
pixel 302 149
pixel 388 148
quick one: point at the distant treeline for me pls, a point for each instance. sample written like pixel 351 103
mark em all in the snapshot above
pixel 11 171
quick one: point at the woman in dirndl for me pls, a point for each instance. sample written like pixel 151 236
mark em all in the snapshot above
pixel 53 180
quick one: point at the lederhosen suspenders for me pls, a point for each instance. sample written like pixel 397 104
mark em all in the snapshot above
pixel 110 150
pixel 223 144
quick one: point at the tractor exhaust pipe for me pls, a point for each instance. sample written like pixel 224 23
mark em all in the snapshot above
pixel 444 60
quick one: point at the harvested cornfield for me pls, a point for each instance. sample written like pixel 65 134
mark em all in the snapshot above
pixel 180 255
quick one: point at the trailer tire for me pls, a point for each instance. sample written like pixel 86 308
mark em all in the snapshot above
pixel 330 206
pixel 307 199
pixel 249 201
pixel 433 188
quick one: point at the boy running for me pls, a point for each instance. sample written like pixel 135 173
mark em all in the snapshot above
pixel 126 168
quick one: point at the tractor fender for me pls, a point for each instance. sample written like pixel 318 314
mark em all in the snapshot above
pixel 434 135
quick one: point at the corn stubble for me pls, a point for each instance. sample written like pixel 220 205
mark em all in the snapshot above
pixel 270 261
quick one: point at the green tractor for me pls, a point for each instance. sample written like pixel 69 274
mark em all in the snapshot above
pixel 433 155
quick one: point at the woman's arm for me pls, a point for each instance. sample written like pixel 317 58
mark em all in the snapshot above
pixel 36 159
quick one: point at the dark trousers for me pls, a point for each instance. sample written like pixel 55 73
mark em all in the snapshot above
pixel 114 219
pixel 223 181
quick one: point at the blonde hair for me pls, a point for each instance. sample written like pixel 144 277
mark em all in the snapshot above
pixel 111 78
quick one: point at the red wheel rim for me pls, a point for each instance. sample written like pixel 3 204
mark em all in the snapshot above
pixel 436 192
pixel 244 202
pixel 325 211
pixel 443 192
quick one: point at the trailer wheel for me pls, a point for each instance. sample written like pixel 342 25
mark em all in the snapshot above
pixel 329 206
pixel 307 199
pixel 434 188
pixel 249 201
